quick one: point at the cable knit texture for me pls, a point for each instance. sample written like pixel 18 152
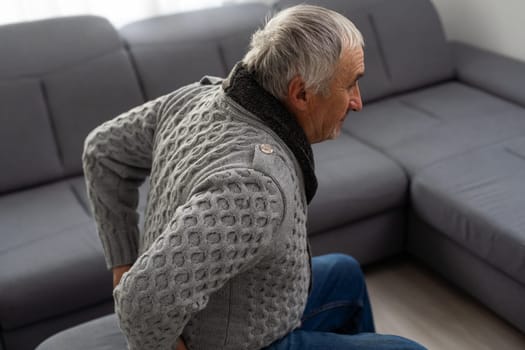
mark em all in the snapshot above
pixel 223 258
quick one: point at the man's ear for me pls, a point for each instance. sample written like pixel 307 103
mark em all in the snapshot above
pixel 297 94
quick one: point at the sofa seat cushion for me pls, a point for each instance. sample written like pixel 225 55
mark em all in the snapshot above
pixel 99 334
pixel 51 261
pixel 429 125
pixel 355 182
pixel 477 199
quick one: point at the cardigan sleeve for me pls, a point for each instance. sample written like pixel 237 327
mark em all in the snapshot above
pixel 225 227
pixel 116 160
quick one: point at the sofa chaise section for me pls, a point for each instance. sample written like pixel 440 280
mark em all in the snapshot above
pixel 473 209
pixel 453 117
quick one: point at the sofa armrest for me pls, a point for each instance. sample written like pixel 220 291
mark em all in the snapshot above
pixel 494 73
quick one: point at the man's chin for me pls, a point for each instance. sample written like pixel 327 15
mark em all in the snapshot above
pixel 335 134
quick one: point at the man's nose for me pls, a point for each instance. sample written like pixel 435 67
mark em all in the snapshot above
pixel 356 104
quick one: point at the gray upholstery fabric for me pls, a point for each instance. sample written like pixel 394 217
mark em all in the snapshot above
pixel 29 336
pixel 344 195
pixel 99 334
pixel 163 67
pixel 25 163
pixel 53 253
pixel 212 40
pixel 400 57
pixel 84 96
pixel 83 75
pixel 368 240
pixel 196 25
pixel 429 125
pixel 477 199
pixel 413 43
pixel 376 83
pixel 35 213
pixel 27 48
pixel 234 46
pixel 491 72
pixel 475 276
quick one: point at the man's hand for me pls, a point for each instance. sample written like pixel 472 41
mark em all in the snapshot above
pixel 181 345
pixel 118 271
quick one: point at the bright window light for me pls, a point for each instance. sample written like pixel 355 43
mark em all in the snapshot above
pixel 119 12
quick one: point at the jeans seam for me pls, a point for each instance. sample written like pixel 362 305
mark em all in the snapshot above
pixel 330 306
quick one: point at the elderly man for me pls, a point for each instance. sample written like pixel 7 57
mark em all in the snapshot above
pixel 223 262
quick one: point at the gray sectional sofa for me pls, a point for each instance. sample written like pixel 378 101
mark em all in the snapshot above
pixel 434 166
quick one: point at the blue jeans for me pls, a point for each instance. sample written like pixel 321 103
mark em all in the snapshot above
pixel 338 313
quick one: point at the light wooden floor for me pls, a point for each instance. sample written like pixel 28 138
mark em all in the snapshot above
pixel 411 301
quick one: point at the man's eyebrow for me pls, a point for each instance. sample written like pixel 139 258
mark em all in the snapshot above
pixel 357 77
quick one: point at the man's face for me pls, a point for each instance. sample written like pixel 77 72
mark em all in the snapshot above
pixel 327 112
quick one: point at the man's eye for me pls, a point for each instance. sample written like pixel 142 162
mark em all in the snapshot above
pixel 354 84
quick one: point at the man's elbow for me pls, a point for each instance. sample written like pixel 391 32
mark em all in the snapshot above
pixel 125 307
pixel 134 296
pixel 90 147
pixel 93 143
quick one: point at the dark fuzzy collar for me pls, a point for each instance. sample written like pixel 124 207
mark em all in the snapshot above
pixel 242 87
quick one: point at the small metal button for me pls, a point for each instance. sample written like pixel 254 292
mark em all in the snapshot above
pixel 266 148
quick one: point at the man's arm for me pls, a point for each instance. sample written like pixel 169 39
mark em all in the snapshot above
pixel 117 275
pixel 116 160
pixel 225 227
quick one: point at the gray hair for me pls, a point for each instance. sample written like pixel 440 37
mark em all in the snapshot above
pixel 302 40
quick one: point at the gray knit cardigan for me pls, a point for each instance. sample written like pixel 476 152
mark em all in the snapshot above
pixel 223 259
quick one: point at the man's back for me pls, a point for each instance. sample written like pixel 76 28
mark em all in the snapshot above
pixel 224 246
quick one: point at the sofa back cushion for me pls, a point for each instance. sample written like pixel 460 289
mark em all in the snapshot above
pixel 59 79
pixel 171 51
pixel 405 46
pixel 27 146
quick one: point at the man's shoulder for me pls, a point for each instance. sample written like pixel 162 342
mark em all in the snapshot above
pixel 271 159
pixel 188 92
pixel 210 80
pixel 263 160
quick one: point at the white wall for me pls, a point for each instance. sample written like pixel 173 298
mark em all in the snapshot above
pixel 496 25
